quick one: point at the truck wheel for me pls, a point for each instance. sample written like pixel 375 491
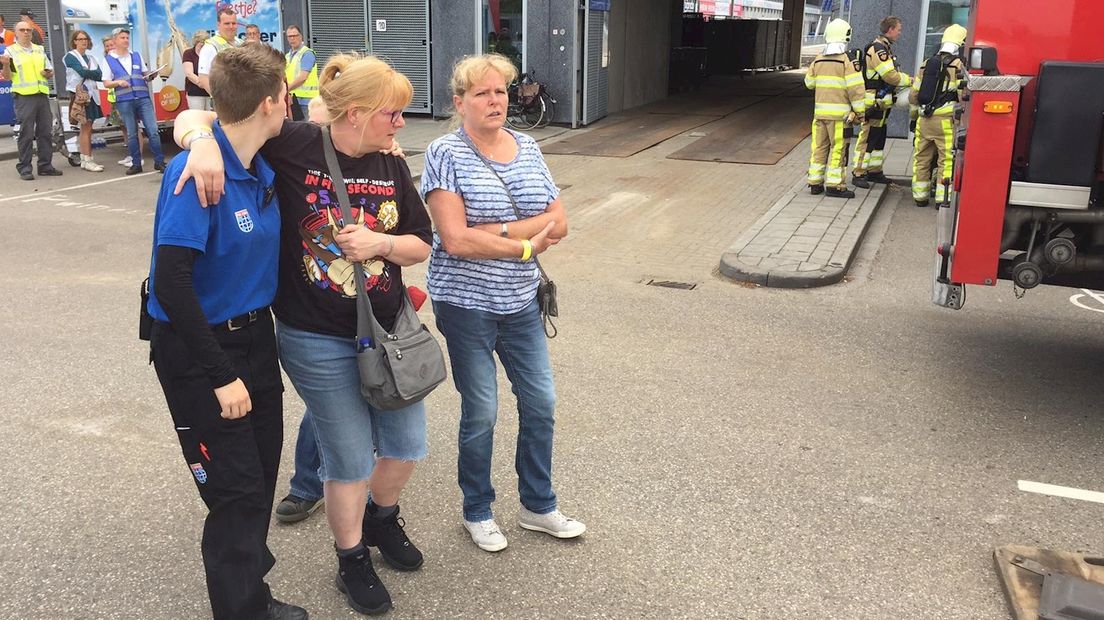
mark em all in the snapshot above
pixel 1060 251
pixel 1027 275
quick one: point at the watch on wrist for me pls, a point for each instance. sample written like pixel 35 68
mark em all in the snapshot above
pixel 504 232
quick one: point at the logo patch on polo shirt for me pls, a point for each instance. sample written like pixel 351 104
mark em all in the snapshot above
pixel 199 473
pixel 245 223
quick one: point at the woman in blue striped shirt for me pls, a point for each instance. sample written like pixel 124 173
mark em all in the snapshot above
pixel 483 282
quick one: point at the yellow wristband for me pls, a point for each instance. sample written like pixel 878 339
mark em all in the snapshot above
pixel 526 249
pixel 184 138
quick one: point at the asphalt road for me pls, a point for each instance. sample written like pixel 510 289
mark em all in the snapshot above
pixel 848 452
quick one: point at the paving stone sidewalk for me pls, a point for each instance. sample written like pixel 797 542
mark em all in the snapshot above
pixel 805 241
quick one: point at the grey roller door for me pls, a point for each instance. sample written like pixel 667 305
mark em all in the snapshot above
pixel 337 26
pixel 10 10
pixel 595 76
pixel 400 35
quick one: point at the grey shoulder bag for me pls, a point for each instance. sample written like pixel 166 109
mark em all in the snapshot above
pixel 546 290
pixel 399 368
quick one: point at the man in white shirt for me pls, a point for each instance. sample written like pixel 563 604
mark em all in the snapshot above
pixel 227 37
pixel 126 72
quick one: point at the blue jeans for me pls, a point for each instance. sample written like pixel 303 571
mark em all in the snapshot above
pixel 350 433
pixel 305 483
pixel 132 111
pixel 473 337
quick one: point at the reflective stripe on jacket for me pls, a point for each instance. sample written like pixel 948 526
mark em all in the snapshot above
pixel 882 69
pixel 953 86
pixel 838 85
pixel 27 78
pixel 309 88
pixel 138 86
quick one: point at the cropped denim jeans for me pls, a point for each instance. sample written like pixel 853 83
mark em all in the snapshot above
pixel 473 338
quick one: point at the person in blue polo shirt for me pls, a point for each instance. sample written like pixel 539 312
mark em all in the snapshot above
pixel 213 276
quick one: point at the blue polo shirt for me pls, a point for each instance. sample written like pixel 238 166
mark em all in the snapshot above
pixel 238 238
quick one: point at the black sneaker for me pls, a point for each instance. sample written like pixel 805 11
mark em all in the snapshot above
pixel 293 508
pixel 49 172
pixel 160 167
pixel 860 181
pixel 816 189
pixel 360 584
pixel 133 170
pixel 836 192
pixel 387 534
pixel 878 177
pixel 284 611
pixel 26 176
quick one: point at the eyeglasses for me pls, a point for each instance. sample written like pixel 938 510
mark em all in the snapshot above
pixel 395 115
pixel 82 39
pixel 24 30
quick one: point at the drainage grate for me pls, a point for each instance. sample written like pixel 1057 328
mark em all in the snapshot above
pixel 686 286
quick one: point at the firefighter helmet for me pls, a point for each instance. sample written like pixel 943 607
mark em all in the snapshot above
pixel 838 31
pixel 955 34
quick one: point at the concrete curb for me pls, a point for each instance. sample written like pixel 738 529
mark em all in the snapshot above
pixel 803 241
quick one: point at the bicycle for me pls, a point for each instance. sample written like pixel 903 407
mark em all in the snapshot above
pixel 531 106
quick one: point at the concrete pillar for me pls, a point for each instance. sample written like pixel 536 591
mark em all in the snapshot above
pixel 865 15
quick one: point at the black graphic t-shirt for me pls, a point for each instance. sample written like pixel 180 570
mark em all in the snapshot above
pixel 317 290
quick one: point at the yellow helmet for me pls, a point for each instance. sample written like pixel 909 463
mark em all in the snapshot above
pixel 837 31
pixel 955 34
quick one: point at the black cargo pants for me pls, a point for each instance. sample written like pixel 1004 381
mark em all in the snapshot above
pixel 232 462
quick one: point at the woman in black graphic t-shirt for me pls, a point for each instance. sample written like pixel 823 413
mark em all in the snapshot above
pixel 315 302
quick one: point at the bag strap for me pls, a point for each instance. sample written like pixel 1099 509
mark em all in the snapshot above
pixel 364 304
pixel 509 194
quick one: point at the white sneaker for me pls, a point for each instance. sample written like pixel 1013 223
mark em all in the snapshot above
pixel 89 165
pixel 486 535
pixel 126 161
pixel 554 523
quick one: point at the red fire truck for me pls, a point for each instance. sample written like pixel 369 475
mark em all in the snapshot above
pixel 1029 178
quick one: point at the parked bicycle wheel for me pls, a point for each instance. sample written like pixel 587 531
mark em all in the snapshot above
pixel 549 109
pixel 523 116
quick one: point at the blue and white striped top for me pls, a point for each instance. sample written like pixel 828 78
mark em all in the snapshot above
pixel 498 285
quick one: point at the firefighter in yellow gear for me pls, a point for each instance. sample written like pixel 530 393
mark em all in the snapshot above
pixel 838 87
pixel 883 76
pixel 933 110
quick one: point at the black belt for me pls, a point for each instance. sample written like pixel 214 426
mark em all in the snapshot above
pixel 242 320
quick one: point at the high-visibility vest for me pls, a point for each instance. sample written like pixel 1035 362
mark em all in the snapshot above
pixel 29 66
pixel 309 88
pixel 219 43
pixel 138 88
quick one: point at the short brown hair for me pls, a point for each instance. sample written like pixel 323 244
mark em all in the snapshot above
pixel 242 77
pixel 889 23
pixel 225 11
pixel 73 39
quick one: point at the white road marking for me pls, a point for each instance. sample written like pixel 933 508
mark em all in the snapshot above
pixel 1058 491
pixel 69 189
pixel 1099 297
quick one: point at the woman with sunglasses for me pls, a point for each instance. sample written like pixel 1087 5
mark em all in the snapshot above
pixel 367 455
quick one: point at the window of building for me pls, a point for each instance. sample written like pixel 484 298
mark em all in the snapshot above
pixel 942 13
pixel 503 28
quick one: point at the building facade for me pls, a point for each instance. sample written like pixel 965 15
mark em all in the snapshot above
pixel 596 56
